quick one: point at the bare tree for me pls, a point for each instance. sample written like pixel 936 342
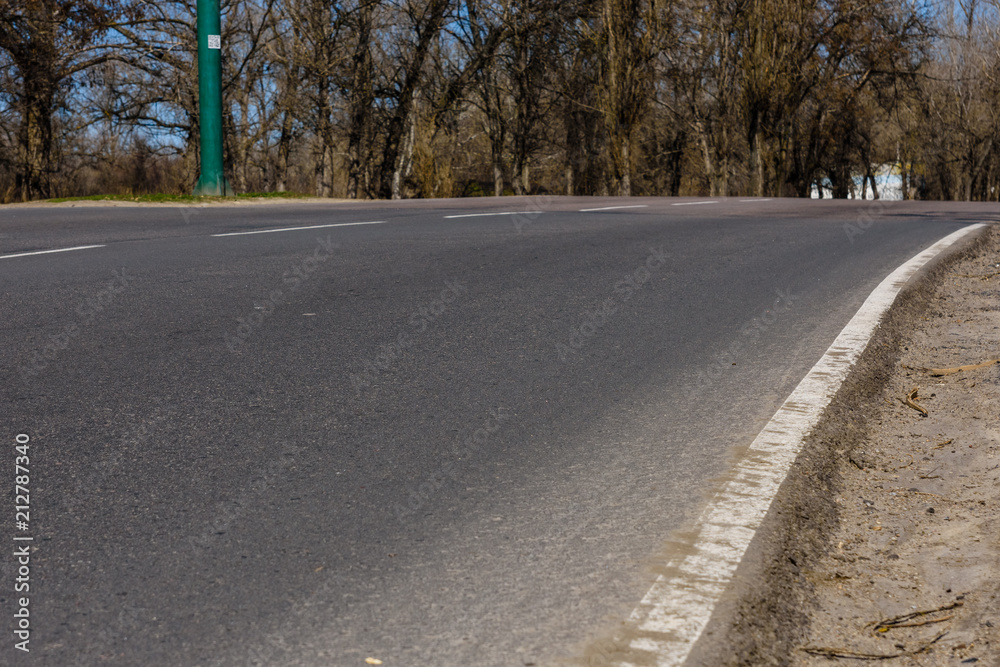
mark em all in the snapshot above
pixel 425 21
pixel 534 30
pixel 394 98
pixel 361 97
pixel 480 37
pixel 628 39
pixel 49 42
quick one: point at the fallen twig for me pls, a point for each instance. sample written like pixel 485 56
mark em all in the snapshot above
pixel 938 372
pixel 926 493
pixel 857 655
pixel 908 464
pixel 901 621
pixel 919 623
pixel 910 401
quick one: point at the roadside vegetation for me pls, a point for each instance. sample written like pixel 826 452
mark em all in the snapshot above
pixel 167 198
pixel 435 98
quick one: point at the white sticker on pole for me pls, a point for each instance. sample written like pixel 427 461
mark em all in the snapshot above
pixel 214 42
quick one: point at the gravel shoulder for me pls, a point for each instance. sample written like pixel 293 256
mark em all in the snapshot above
pixel 884 542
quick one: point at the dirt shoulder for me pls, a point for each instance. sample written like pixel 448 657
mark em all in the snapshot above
pixel 919 504
pixel 884 542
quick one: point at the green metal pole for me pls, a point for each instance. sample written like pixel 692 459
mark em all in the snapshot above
pixel 213 180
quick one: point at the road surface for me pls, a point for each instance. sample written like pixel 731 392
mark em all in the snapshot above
pixel 457 434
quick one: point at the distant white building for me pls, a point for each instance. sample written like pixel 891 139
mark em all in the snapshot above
pixel 888 180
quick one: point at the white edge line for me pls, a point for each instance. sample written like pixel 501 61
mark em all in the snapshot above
pixel 480 215
pixel 675 611
pixel 46 252
pixel 753 200
pixel 611 208
pixel 295 229
pixel 694 203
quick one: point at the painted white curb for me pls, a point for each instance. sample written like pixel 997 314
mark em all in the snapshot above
pixel 675 611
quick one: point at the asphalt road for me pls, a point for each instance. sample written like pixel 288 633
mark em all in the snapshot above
pixel 433 440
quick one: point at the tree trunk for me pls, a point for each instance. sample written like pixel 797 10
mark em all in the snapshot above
pixel 31 47
pixel 497 135
pixel 625 181
pixel 839 179
pixel 706 154
pixel 627 79
pixel 400 121
pixel 716 170
pixel 405 166
pixel 33 180
pixel 756 162
pixel 284 150
pixel 324 159
pixel 236 149
pixel 361 98
pixel 521 180
pixel 324 171
pixel 574 151
pixel 520 177
pixel 497 178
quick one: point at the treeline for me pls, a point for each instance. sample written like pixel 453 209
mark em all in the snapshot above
pixel 441 98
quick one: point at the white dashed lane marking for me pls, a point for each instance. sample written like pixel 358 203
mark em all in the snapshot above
pixel 296 229
pixel 482 215
pixel 611 208
pixel 46 252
